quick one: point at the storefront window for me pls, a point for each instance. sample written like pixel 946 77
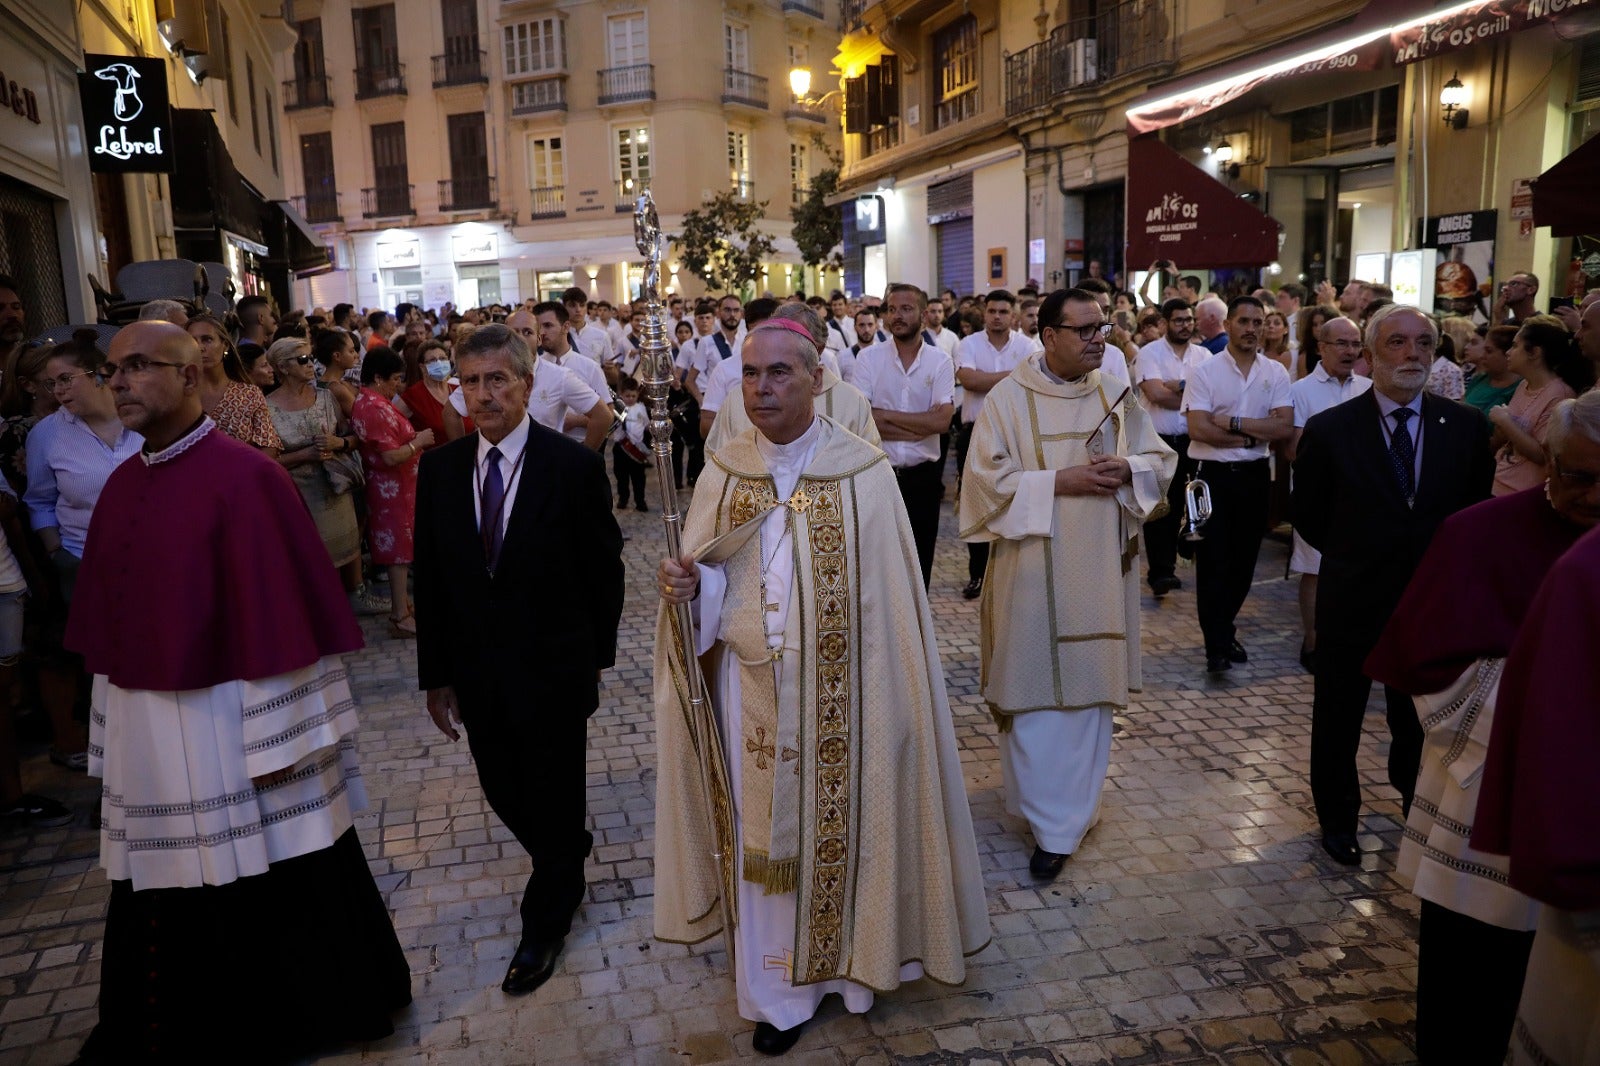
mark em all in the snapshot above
pixel 550 284
pixel 487 278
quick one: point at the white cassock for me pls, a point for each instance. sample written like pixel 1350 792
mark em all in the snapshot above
pixel 764 936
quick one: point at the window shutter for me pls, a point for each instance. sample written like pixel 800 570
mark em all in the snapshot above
pixel 855 105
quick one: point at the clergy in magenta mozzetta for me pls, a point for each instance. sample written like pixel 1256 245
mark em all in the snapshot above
pixel 852 844
pixel 223 726
pixel 1064 468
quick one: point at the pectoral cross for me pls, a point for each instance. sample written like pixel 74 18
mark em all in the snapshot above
pixel 784 962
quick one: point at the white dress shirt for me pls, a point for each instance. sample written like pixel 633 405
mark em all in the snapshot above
pixel 588 371
pixel 1217 385
pixel 595 342
pixel 1320 390
pixel 890 385
pixel 556 390
pixel 945 341
pixel 511 449
pixel 977 352
pixel 843 329
pixel 1159 361
pixel 721 379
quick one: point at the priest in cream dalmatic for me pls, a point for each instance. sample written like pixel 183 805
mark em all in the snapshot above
pixel 852 844
pixel 1063 469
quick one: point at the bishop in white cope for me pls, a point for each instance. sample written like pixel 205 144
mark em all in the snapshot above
pixel 844 820
pixel 1064 467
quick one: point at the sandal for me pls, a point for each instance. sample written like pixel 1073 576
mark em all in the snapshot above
pixel 404 628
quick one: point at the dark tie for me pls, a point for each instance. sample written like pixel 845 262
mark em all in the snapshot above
pixel 491 502
pixel 1402 453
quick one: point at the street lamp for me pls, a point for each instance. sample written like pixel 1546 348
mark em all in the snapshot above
pixel 1453 98
pixel 800 82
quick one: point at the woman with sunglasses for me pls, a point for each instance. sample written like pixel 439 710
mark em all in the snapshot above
pixel 234 403
pixel 313 431
pixel 71 453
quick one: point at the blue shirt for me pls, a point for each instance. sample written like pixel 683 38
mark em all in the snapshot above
pixel 68 465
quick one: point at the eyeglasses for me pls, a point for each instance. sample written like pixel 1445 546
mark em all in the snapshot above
pixel 301 359
pixel 65 380
pixel 1086 333
pixel 1583 480
pixel 133 366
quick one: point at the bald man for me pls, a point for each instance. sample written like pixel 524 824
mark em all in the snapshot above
pixel 224 729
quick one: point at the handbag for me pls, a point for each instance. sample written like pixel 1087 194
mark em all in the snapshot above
pixel 344 472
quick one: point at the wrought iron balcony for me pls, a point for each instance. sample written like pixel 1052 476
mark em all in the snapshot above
pixel 532 97
pixel 310 91
pixel 804 112
pixel 467 67
pixel 1135 35
pixel 808 8
pixel 628 190
pixel 386 201
pixel 548 202
pixel 743 87
pixel 467 194
pixel 319 206
pixel 619 85
pixel 386 78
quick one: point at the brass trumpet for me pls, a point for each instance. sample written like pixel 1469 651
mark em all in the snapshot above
pixel 1196 509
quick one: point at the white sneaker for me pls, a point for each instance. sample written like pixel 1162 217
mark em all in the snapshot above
pixel 365 601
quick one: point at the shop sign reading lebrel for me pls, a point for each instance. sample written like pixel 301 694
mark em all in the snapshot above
pixel 126 114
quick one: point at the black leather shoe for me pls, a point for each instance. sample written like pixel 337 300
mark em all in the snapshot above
pixel 1046 865
pixel 973 589
pixel 1236 652
pixel 1163 585
pixel 1218 664
pixel 770 1040
pixel 1307 660
pixel 531 966
pixel 1342 846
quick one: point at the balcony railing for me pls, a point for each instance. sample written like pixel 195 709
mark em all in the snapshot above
pixel 386 201
pixel 460 68
pixel 744 190
pixel 853 12
pixel 628 190
pixel 309 91
pixel 882 138
pixel 320 206
pixel 548 202
pixel 619 85
pixel 387 78
pixel 467 194
pixel 532 97
pixel 807 112
pixel 808 8
pixel 1131 36
pixel 743 87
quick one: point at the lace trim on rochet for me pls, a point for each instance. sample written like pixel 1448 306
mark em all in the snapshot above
pixel 183 444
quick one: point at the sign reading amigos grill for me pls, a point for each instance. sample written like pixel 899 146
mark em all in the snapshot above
pixel 126 114
pixel 1484 22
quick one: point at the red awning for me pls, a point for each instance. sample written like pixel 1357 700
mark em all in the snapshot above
pixel 1179 212
pixel 1564 196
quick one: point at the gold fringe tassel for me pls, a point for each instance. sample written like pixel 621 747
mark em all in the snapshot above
pixel 775 878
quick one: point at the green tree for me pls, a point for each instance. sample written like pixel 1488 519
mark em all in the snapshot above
pixel 721 244
pixel 819 228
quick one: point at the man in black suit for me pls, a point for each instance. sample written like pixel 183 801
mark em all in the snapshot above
pixel 1373 478
pixel 518 594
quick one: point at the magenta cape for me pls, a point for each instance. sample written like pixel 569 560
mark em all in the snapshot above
pixel 1471 592
pixel 204 569
pixel 1540 803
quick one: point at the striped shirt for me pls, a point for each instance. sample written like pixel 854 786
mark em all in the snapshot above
pixel 67 467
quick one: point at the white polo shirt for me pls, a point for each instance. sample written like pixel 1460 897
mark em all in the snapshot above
pixel 594 342
pixel 977 352
pixel 722 379
pixel 587 371
pixel 841 333
pixel 1218 386
pixel 1320 390
pixel 888 384
pixel 1158 361
pixel 556 390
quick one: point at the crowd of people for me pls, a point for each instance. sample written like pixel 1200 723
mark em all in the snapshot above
pixel 438 457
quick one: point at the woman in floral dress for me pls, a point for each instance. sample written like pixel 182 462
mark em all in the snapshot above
pixel 234 402
pixel 389 450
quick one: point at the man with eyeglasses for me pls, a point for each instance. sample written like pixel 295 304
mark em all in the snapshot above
pixel 224 731
pixel 1163 368
pixel 1514 303
pixel 1065 465
pixel 1373 478
pixel 1236 404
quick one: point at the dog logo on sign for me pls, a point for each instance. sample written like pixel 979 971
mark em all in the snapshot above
pixel 127 105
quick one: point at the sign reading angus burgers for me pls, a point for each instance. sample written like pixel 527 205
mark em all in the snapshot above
pixel 126 114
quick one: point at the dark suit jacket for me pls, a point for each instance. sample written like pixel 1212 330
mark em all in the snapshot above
pixel 1347 504
pixel 546 623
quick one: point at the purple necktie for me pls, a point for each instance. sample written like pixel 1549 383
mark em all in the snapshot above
pixel 1402 453
pixel 491 502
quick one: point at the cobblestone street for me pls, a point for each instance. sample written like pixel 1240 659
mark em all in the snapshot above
pixel 1200 922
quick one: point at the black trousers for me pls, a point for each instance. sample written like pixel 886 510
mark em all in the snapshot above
pixel 1469 982
pixel 1338 706
pixel 977 554
pixel 530 757
pixel 630 475
pixel 1161 534
pixel 921 489
pixel 1225 559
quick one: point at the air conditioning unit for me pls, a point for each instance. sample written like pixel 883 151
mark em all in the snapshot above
pixel 1081 66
